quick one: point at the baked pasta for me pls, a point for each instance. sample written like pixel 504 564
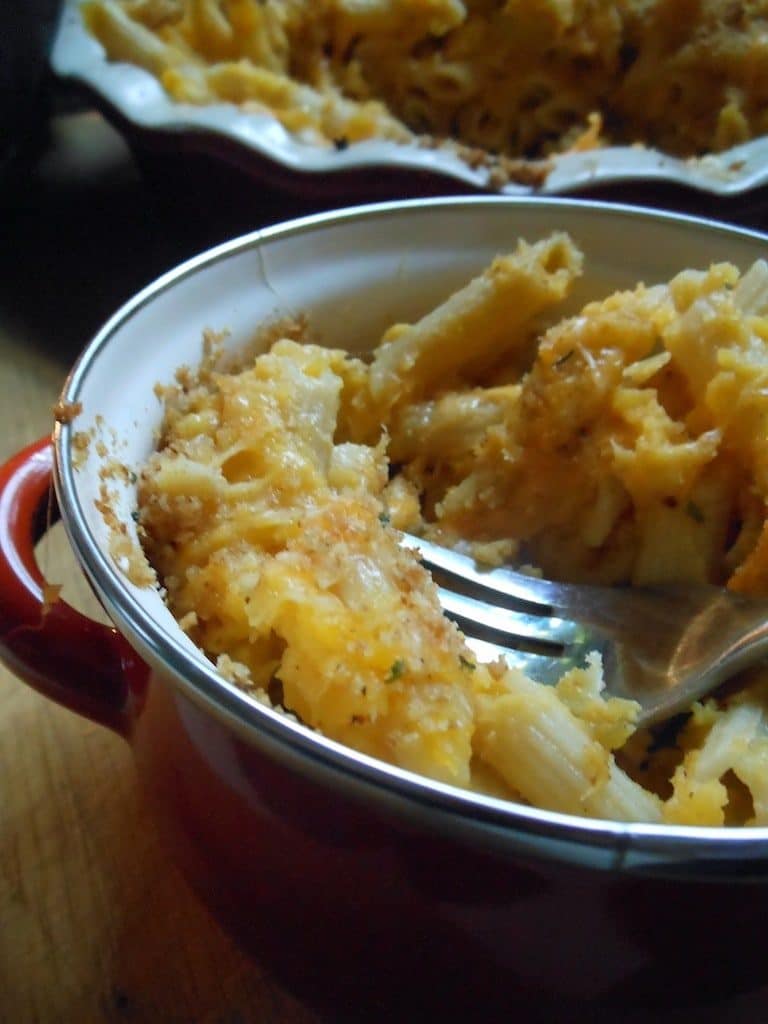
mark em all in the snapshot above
pixel 510 78
pixel 625 444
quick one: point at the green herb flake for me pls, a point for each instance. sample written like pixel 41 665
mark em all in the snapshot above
pixel 693 510
pixel 397 670
pixel 384 518
pixel 132 477
pixel 135 515
pixel 564 359
pixel 466 664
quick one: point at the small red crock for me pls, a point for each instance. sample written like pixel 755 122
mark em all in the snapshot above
pixel 368 891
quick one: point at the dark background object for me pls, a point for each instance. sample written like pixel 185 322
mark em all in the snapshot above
pixel 27 29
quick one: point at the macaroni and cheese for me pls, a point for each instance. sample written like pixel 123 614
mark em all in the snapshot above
pixel 511 79
pixel 625 444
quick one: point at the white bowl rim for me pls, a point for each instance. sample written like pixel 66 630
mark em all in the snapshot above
pixel 669 851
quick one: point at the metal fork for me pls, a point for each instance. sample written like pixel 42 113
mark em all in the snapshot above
pixel 663 647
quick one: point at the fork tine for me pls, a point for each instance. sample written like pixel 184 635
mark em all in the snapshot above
pixel 512 584
pixel 507 624
pixel 543 645
pixel 540 667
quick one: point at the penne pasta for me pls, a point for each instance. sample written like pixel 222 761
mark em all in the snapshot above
pixel 503 84
pixel 594 447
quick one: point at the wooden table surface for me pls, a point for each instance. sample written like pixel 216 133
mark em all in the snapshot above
pixel 95 923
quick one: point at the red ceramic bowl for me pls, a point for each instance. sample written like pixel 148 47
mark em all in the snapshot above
pixel 364 888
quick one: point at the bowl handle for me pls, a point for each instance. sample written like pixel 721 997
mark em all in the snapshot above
pixel 76 661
